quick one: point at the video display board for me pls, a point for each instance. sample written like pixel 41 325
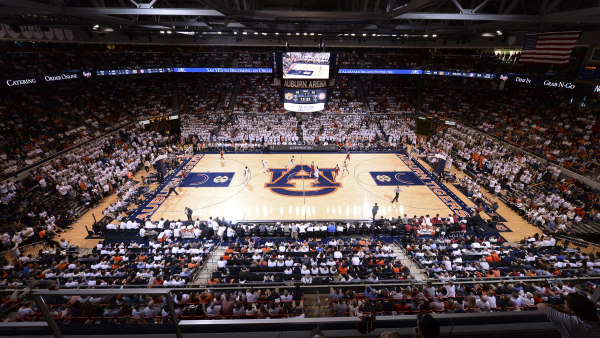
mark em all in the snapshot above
pixel 306 65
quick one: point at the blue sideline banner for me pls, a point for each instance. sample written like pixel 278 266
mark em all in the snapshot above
pixel 223 70
pixel 382 71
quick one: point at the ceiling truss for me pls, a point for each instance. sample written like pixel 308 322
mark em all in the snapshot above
pixel 320 17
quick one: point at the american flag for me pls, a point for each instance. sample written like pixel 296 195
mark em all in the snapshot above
pixel 549 48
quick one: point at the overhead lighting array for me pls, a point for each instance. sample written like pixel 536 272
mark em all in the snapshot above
pixel 267 34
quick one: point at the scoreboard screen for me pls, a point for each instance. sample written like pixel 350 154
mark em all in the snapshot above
pixel 304 100
pixel 306 65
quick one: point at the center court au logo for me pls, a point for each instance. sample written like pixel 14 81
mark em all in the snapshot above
pixel 297 182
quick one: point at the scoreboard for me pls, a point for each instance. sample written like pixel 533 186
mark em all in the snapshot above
pixel 305 79
pixel 304 100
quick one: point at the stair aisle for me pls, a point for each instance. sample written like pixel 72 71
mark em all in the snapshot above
pixel 406 260
pixel 210 266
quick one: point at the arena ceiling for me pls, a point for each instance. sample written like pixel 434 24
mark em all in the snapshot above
pixel 316 19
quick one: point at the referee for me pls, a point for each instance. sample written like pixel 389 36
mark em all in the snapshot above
pixel 172 187
pixel 397 191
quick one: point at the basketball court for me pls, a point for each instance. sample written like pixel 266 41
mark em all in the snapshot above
pixel 308 71
pixel 216 188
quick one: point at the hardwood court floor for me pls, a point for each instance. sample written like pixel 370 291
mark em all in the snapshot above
pixel 354 192
pixel 354 198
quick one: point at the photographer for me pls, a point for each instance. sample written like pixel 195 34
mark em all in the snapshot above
pixel 427 327
pixel 578 319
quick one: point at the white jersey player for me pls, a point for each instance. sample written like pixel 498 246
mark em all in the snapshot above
pixel 317 174
pixel 291 164
pixel 246 174
pixel 265 166
pixel 345 167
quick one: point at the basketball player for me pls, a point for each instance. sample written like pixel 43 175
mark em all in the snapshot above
pixel 246 175
pixel 337 171
pixel 347 157
pixel 317 175
pixel 265 166
pixel 291 164
pixel 222 155
pixel 345 168
pixel 312 168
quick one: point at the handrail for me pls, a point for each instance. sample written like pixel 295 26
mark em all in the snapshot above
pixel 394 320
pixel 100 289
pixel 577 240
pixel 318 302
pixel 5 252
pixel 484 323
